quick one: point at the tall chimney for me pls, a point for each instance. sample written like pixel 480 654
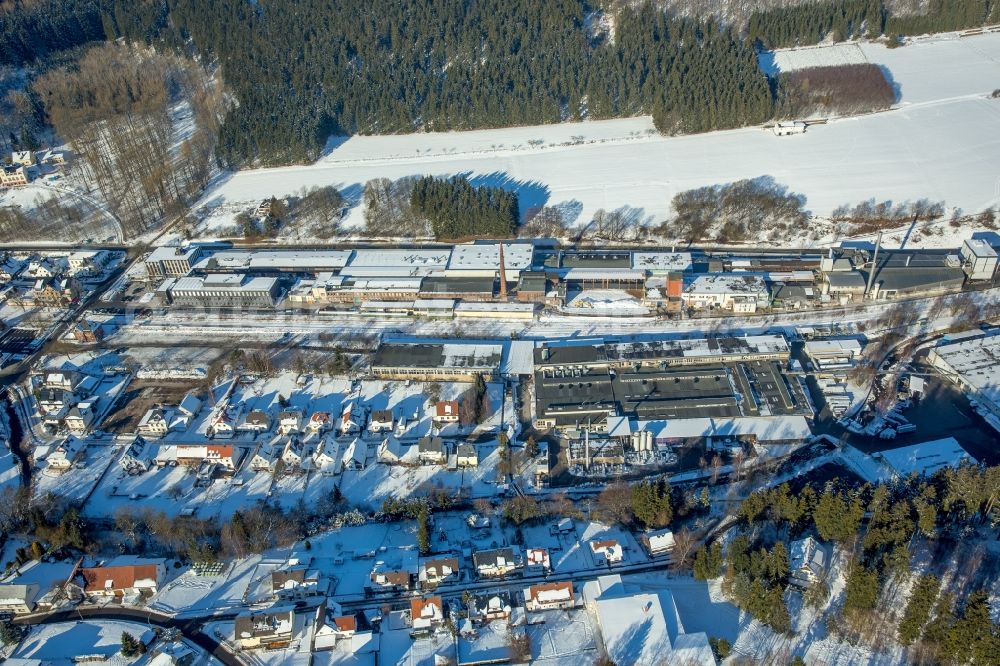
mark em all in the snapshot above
pixel 503 276
pixel 871 273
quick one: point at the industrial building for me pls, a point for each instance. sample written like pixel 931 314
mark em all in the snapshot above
pixel 224 291
pixel 172 261
pixel 739 292
pixel 972 362
pixel 979 259
pixel 583 386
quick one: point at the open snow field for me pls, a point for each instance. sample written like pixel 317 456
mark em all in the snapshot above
pixel 941 144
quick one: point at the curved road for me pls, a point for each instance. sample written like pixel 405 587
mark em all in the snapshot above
pixel 189 628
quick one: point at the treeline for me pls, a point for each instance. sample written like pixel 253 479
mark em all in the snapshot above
pixel 843 89
pixel 735 212
pixel 457 209
pixel 876 526
pixel 445 64
pixel 115 106
pixel 808 24
pixel 35 29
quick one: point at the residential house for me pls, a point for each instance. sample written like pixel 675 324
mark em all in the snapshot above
pixel 466 456
pixel 88 332
pixel 496 562
pixel 446 411
pixel 435 571
pixel 426 614
pixel 62 380
pixel 659 542
pixel 607 551
pixel 18 599
pixel 319 422
pixel 221 424
pixel 563 526
pixel 138 577
pixel 289 422
pixel 393 451
pixel 155 423
pixel 137 457
pixel 489 606
pixel 55 401
pixel 397 573
pixel 356 455
pixel 327 458
pixel 265 458
pixel 536 560
pixel 268 629
pixel 66 453
pixel 293 454
pixel 431 450
pixel 381 421
pixel 808 561
pixel 43 269
pixel 194 455
pixel 297 581
pixel 79 419
pixel 190 405
pixel 256 421
pixel 350 419
pixel 549 596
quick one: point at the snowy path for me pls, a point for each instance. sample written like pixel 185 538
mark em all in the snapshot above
pixel 941 143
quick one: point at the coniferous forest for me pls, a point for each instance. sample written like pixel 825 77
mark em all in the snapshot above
pixel 302 70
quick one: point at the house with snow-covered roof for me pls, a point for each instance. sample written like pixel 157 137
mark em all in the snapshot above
pixel 549 596
pixel 808 561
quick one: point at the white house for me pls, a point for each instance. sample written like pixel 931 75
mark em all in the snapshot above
pixel 66 453
pixel 549 596
pixel 808 560
pixel 319 422
pixel 289 422
pixel 79 419
pixel 392 451
pixel 190 405
pixel 155 423
pixel 607 551
pixel 356 455
pixel 327 457
pixel 659 542
pixel 264 458
pixel 381 421
pixel 350 419
pixel 256 421
pixel 137 457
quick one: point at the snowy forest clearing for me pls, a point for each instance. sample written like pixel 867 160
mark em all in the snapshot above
pixel 939 145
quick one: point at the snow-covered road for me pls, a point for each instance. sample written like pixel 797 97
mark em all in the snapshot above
pixel 942 142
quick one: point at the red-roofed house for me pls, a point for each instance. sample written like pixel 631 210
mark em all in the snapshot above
pixel 426 613
pixel 446 411
pixel 548 596
pixel 119 581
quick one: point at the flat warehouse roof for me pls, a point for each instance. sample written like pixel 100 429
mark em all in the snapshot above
pixel 662 261
pixel 431 258
pixel 449 355
pixel 289 260
pixel 480 256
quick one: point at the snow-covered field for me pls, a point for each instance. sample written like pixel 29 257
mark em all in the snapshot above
pixel 941 144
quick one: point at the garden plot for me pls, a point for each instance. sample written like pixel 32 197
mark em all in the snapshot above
pixel 562 637
pixel 192 595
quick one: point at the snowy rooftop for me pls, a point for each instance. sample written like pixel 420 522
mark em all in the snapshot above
pixel 172 253
pixel 662 261
pixel 476 257
pixel 707 347
pixel 926 458
pixel 495 307
pixel 764 428
pixel 435 258
pixel 818 348
pixel 975 361
pixel 727 283
pixel 638 629
pixel 224 283
pixel 276 260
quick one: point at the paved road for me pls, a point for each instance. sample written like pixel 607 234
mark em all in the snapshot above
pixel 191 629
